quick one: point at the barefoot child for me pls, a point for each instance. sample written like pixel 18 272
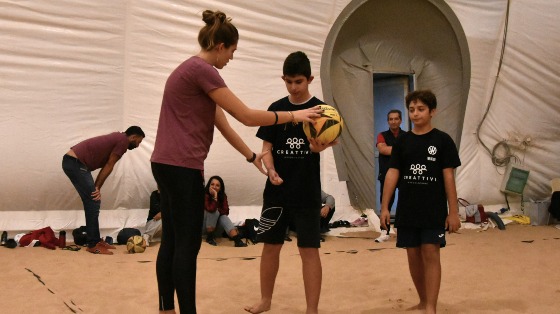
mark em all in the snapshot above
pixel 423 163
pixel 293 189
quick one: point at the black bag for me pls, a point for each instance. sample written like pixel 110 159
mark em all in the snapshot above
pixel 80 236
pixel 554 208
pixel 126 233
pixel 249 230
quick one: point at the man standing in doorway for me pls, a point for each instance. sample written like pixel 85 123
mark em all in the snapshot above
pixel 385 141
pixel 101 152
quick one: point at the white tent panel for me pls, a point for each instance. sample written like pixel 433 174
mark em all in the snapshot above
pixel 70 70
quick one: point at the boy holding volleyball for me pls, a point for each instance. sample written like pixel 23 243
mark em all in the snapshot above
pixel 422 163
pixel 293 189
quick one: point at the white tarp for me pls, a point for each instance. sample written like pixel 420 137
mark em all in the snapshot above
pixel 70 70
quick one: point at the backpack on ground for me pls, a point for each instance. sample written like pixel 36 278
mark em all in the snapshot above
pixel 249 230
pixel 126 233
pixel 80 235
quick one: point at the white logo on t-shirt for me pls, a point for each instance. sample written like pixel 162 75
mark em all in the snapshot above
pixel 295 142
pixel 432 150
pixel 418 168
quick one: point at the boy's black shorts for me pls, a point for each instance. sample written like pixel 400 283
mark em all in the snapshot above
pixel 408 237
pixel 275 220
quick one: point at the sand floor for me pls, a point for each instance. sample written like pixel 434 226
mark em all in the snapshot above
pixel 493 271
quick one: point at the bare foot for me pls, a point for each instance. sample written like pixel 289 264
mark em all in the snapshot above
pixel 260 307
pixel 417 307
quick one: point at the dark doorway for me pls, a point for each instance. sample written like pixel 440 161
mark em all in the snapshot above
pixel 389 92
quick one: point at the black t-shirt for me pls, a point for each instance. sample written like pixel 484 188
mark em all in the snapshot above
pixel 420 160
pixel 293 160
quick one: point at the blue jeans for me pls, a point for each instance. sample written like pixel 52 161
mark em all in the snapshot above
pixel 82 180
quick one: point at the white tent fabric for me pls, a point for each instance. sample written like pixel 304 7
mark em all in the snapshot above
pixel 379 37
pixel 70 70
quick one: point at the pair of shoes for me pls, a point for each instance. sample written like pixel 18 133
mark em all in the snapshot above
pixel 360 222
pixel 99 249
pixel 211 241
pixel 106 245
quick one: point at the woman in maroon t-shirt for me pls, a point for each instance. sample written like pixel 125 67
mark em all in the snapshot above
pixel 193 102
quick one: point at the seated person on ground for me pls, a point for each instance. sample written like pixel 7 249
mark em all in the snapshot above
pixel 153 224
pixel 216 211
pixel 327 211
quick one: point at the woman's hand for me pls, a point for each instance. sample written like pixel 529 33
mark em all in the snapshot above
pixel 213 192
pixel 259 163
pixel 307 115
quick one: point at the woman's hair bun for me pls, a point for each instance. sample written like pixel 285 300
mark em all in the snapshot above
pixel 210 17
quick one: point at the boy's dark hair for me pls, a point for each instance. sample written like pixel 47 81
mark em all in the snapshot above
pixel 394 111
pixel 425 96
pixel 134 130
pixel 297 63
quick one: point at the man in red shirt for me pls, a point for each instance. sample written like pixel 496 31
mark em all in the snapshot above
pixel 385 141
pixel 101 152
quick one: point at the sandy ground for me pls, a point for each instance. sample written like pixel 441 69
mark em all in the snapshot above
pixel 493 271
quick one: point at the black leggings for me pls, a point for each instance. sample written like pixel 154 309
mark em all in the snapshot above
pixel 182 212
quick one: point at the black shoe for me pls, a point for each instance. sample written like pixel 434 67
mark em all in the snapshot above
pixel 4 238
pixel 240 244
pixel 210 239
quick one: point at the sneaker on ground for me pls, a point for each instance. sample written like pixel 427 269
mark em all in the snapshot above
pixel 382 238
pixel 360 222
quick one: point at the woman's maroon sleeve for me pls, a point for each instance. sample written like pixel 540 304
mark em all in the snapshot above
pixel 209 204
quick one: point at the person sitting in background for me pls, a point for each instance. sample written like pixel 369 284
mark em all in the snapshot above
pixel 153 223
pixel 216 211
pixel 327 211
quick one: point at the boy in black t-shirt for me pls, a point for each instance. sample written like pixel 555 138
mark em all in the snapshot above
pixel 422 163
pixel 293 189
